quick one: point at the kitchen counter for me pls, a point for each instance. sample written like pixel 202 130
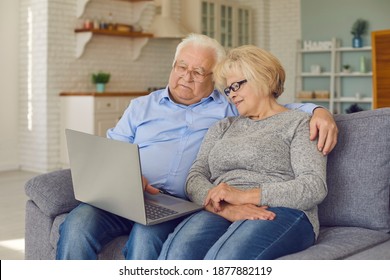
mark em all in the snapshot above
pixel 92 112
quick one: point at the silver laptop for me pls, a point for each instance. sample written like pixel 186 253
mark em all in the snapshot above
pixel 107 174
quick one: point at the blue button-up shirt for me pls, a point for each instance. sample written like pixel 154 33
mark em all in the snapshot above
pixel 169 135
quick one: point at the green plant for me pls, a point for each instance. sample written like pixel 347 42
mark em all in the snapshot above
pixel 346 66
pixel 359 27
pixel 101 78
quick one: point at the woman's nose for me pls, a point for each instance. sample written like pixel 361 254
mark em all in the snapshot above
pixel 232 94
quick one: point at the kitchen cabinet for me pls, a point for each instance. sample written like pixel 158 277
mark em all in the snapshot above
pixel 320 78
pixel 84 36
pixel 227 21
pixel 93 113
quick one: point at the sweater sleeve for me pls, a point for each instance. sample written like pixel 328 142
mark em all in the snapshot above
pixel 308 188
pixel 198 180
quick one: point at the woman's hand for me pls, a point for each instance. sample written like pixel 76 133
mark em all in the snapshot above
pixel 149 188
pixel 234 213
pixel 232 195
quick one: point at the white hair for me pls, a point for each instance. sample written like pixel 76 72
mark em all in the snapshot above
pixel 204 42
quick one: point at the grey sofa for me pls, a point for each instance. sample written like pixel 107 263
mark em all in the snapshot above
pixel 354 217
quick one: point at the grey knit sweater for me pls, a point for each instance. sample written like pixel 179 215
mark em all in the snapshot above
pixel 274 154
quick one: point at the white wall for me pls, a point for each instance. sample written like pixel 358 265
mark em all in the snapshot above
pixel 277 27
pixel 285 30
pixel 55 68
pixel 30 119
pixel 9 33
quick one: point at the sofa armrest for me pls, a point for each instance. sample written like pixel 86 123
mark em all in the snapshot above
pixel 52 192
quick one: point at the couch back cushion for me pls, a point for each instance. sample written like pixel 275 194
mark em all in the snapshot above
pixel 358 173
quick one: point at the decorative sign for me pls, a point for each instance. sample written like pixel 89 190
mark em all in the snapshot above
pixel 320 45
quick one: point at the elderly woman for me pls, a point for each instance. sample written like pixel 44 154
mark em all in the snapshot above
pixel 258 174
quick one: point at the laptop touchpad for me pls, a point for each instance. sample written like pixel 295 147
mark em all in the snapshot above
pixel 162 199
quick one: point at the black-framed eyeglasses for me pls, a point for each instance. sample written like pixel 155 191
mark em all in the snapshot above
pixel 234 87
pixel 197 74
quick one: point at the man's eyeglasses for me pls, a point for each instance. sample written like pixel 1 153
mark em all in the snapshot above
pixel 234 87
pixel 197 75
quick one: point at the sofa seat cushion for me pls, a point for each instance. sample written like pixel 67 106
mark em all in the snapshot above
pixel 378 252
pixel 113 250
pixel 340 242
pixel 358 173
pixel 52 192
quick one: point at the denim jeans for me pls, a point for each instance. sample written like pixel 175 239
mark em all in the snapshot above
pixel 205 235
pixel 86 230
pixel 145 242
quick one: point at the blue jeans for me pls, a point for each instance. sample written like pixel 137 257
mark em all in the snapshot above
pixel 145 242
pixel 87 229
pixel 205 235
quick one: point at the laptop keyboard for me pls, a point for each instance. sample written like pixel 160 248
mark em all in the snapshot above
pixel 154 211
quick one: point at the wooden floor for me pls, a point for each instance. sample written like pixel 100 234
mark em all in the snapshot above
pixel 12 205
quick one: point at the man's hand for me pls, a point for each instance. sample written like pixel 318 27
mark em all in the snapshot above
pixel 149 188
pixel 323 126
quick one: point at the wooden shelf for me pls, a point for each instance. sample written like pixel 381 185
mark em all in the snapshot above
pixel 354 74
pixel 354 100
pixel 350 49
pixel 116 33
pixel 105 94
pixel 83 36
pixel 341 100
pixel 309 74
pixel 313 100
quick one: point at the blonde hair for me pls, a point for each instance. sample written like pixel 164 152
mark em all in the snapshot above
pixel 257 65
pixel 204 42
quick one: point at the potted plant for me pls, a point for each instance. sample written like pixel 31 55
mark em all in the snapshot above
pixel 346 68
pixel 359 28
pixel 100 79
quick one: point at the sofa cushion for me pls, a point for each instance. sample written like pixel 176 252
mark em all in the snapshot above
pixel 339 243
pixel 113 250
pixel 358 173
pixel 378 252
pixel 52 192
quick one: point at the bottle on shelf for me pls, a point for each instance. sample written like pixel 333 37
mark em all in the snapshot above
pixel 96 23
pixel 362 64
pixel 102 23
pixel 111 25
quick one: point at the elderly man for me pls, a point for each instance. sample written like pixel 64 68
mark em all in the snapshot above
pixel 169 126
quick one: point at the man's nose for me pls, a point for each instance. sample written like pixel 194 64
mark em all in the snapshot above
pixel 188 76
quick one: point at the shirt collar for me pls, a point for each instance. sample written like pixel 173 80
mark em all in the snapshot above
pixel 164 96
pixel 215 96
